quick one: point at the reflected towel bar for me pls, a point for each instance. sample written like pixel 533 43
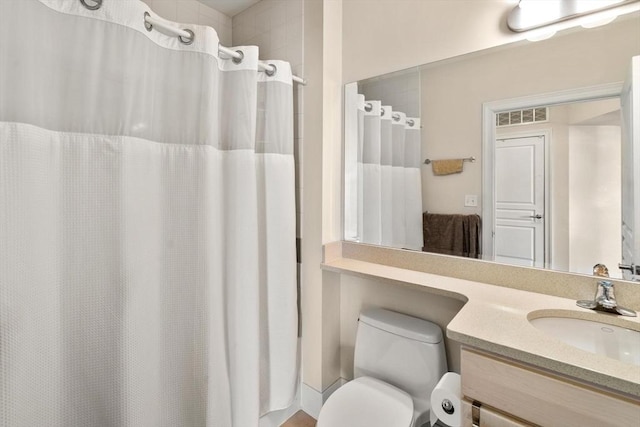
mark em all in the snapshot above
pixel 467 159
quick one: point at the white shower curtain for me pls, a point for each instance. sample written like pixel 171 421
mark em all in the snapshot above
pixel 147 223
pixel 391 183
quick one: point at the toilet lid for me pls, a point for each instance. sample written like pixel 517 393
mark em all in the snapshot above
pixel 367 402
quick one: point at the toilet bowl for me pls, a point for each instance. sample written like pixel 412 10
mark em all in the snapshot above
pixel 398 361
pixel 367 402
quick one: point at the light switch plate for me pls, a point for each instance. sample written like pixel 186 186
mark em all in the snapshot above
pixel 471 200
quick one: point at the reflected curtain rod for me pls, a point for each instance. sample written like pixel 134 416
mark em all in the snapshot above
pixel 186 37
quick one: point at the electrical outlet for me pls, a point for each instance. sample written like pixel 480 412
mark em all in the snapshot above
pixel 471 200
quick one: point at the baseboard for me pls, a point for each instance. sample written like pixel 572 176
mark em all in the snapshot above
pixel 311 400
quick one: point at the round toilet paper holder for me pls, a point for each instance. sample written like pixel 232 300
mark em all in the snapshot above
pixel 447 406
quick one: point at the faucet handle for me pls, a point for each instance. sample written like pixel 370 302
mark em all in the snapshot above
pixel 604 294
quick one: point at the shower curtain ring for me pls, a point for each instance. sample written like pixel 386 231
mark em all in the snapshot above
pixel 410 122
pixel 186 40
pixel 147 25
pixel 271 71
pixel 96 6
pixel 239 59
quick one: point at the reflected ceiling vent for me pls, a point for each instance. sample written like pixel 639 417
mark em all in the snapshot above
pixel 522 117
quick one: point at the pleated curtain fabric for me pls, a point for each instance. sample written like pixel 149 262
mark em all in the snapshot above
pixel 147 224
pixel 360 113
pixel 413 185
pixel 371 179
pixel 391 179
pixel 354 120
pixel 277 229
pixel 386 179
pixel 398 219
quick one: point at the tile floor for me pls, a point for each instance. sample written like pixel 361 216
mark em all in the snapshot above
pixel 300 419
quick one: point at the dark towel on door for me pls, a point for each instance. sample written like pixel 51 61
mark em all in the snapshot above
pixel 452 234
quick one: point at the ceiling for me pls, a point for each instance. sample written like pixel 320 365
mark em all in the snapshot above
pixel 229 7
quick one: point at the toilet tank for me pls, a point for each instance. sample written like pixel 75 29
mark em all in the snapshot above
pixel 401 350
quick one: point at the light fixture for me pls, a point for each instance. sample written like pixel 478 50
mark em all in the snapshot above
pixel 586 6
pixel 543 18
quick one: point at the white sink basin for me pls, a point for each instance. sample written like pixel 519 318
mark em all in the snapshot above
pixel 607 340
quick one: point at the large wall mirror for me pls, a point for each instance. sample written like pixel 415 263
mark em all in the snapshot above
pixel 520 154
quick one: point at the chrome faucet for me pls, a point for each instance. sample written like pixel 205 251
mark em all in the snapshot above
pixel 605 300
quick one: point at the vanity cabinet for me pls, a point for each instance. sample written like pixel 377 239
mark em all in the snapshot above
pixel 511 394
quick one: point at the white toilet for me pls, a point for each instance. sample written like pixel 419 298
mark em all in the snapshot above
pixel 398 361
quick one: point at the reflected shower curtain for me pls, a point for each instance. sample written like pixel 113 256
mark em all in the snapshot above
pixel 147 224
pixel 413 186
pixel 386 188
pixel 391 183
pixel 398 220
pixel 360 166
pixel 353 168
pixel 371 179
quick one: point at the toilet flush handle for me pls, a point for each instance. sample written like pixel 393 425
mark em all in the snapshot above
pixel 447 406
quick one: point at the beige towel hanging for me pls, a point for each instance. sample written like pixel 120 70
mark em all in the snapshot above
pixel 446 167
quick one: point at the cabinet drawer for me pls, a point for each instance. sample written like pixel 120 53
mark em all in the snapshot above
pixel 540 397
pixel 489 417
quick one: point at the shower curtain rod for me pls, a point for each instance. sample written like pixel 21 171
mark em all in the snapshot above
pixel 186 37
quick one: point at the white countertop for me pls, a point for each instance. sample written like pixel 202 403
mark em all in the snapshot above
pixel 496 319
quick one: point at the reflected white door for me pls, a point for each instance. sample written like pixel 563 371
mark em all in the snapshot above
pixel 519 201
pixel 630 100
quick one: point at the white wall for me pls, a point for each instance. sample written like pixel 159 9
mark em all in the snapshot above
pixel 595 198
pixel 193 12
pixel 381 36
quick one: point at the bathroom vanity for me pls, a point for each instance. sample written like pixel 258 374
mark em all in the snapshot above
pixel 517 394
pixel 515 372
